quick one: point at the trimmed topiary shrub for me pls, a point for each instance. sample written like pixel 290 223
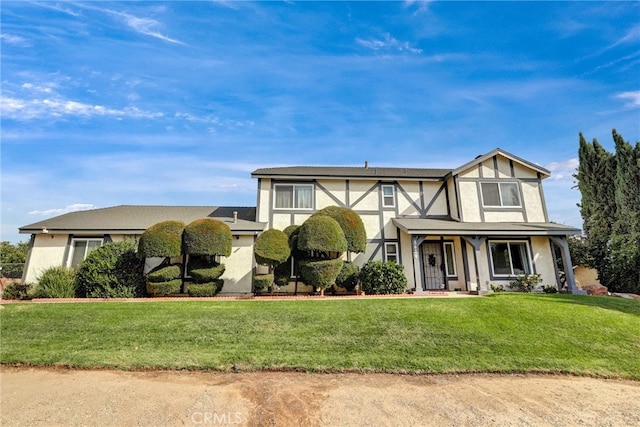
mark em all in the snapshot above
pixel 262 281
pixel 207 274
pixel 351 225
pixel 165 273
pixel 321 237
pixel 205 289
pixel 56 282
pixel 111 271
pixel 207 236
pixel 272 248
pixel 163 239
pixel 348 276
pixel 282 273
pixel 378 277
pixel 164 288
pixel 321 274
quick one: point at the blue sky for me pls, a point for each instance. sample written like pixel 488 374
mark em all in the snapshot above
pixel 175 103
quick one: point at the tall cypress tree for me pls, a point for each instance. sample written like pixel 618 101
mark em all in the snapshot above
pixel 625 239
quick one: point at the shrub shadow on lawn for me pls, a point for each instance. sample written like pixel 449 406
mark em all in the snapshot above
pixel 629 306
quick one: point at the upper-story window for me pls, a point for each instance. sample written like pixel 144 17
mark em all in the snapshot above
pixel 500 194
pixel 388 196
pixel 294 196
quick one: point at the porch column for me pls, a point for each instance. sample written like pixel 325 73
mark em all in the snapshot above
pixel 568 266
pixel 416 241
pixel 477 242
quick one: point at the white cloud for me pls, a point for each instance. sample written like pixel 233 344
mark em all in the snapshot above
pixel 388 43
pixel 67 209
pixel 421 5
pixel 14 40
pixel 633 98
pixel 563 170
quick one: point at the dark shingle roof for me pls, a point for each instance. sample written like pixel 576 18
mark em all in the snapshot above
pixel 297 172
pixel 134 219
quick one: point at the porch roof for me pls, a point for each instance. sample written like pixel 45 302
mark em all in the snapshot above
pixel 427 226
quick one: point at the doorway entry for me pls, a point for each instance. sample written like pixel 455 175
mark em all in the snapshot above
pixel 433 267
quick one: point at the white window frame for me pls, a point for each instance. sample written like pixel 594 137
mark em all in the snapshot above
pixel 500 184
pixel 453 273
pixel 509 243
pixel 385 196
pixel 72 248
pixel 294 186
pixel 393 254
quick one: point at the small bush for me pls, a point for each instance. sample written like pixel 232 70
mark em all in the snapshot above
pixel 208 236
pixel 165 273
pixel 549 289
pixel 262 281
pixel 526 283
pixel 378 277
pixel 348 276
pixel 206 274
pixel 163 239
pixel 17 290
pixel 56 282
pixel 111 271
pixel 205 289
pixel 497 288
pixel 164 288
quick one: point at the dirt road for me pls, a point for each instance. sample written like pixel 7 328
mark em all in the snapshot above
pixel 38 397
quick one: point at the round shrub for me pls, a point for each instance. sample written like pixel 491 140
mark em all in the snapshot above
pixel 262 281
pixel 291 229
pixel 56 282
pixel 111 271
pixel 320 274
pixel 272 248
pixel 207 236
pixel 164 288
pixel 207 274
pixel 205 289
pixel 321 237
pixel 377 277
pixel 348 276
pixel 165 273
pixel 17 290
pixel 163 239
pixel 351 225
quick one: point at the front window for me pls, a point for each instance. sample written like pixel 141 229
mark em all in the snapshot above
pixel 294 196
pixel 391 252
pixel 509 258
pixel 80 248
pixel 449 259
pixel 500 194
pixel 388 199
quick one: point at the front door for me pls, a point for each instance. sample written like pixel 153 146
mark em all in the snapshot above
pixel 433 267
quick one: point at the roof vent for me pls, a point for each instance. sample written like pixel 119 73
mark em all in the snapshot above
pixel 235 216
pixel 366 164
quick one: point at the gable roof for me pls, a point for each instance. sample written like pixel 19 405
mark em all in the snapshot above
pixel 498 151
pixel 135 219
pixel 374 173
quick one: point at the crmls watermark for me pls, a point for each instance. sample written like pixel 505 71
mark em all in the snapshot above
pixel 216 418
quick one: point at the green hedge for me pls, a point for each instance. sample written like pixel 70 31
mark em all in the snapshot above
pixel 163 239
pixel 205 289
pixel 56 282
pixel 164 288
pixel 351 225
pixel 165 273
pixel 207 236
pixel 378 277
pixel 262 281
pixel 348 276
pixel 321 236
pixel 207 274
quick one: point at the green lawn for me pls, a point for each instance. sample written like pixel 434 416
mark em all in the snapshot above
pixel 500 333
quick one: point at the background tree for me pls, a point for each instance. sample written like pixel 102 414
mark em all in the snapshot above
pixel 610 209
pixel 12 259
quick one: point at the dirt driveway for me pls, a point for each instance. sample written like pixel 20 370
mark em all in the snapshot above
pixel 168 398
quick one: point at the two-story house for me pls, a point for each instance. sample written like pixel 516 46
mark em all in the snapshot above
pixel 452 229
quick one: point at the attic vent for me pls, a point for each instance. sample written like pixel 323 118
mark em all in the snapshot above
pixel 235 217
pixel 366 164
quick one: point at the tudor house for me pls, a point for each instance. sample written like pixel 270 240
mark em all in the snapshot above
pixel 461 229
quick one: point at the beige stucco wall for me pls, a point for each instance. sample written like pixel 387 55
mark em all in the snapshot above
pixel 47 251
pixel 469 201
pixel 335 188
pixel 370 198
pixel 543 260
pixel 532 201
pixel 238 267
pixel 522 171
pixel 503 216
pixel 264 188
pixel 453 200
